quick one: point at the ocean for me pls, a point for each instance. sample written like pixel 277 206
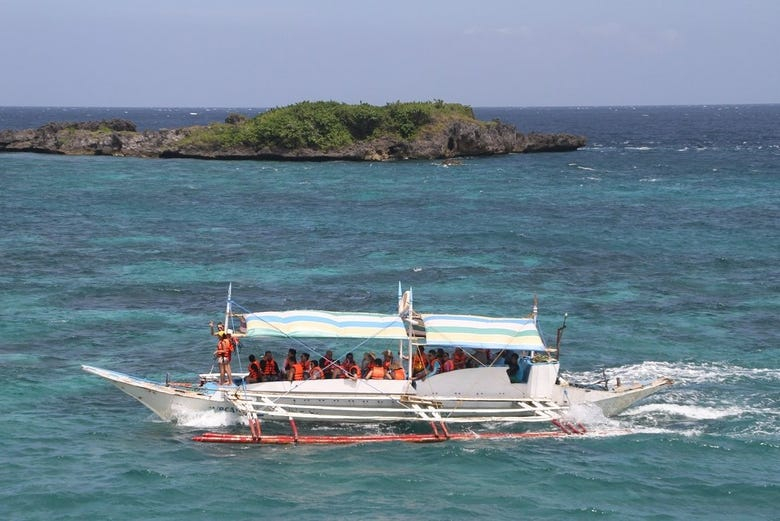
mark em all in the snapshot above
pixel 659 239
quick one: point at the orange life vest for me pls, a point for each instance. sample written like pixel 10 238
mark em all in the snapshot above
pixel 254 370
pixel 347 367
pixel 316 374
pixel 297 369
pixel 376 373
pixel 225 348
pixel 399 374
pixel 270 367
pixel 419 362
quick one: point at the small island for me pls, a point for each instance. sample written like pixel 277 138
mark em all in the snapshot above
pixel 306 131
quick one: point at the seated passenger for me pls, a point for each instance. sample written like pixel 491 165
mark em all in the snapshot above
pixel 447 364
pixel 328 364
pixel 397 371
pixel 255 372
pixel 343 371
pixel 378 372
pixel 459 358
pixel 316 373
pixel 419 361
pixel 513 369
pixel 269 367
pixel 295 371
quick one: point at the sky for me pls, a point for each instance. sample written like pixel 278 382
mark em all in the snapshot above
pixel 483 53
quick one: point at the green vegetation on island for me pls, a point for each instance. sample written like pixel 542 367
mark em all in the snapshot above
pixel 325 125
pixel 306 131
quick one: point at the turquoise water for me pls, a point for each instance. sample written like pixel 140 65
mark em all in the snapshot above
pixel 660 240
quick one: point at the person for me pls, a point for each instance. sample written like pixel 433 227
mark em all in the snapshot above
pixel 223 354
pixel 397 371
pixel 378 372
pixel 434 362
pixel 290 352
pixel 368 362
pixel 447 364
pixel 306 363
pixel 343 371
pixel 513 369
pixel 388 359
pixel 295 371
pixel 316 372
pixel 419 362
pixel 433 368
pixel 328 364
pixel 220 329
pixel 270 369
pixel 480 357
pixel 459 358
pixel 255 372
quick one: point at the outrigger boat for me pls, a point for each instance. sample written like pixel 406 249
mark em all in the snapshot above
pixel 480 394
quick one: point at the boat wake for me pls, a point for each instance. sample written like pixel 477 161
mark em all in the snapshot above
pixel 712 397
pixel 204 419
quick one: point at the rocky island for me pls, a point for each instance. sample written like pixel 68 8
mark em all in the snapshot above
pixel 307 131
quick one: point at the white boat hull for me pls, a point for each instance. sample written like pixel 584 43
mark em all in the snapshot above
pixel 475 395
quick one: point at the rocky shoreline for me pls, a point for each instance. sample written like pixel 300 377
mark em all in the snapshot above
pixel 119 137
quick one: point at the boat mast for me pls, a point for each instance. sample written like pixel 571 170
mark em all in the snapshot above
pixel 227 321
pixel 227 306
pixel 400 312
pixel 410 334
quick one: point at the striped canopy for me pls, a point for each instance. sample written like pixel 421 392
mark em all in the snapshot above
pixel 482 332
pixel 324 324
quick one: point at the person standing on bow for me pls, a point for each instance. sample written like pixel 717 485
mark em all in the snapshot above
pixel 223 354
pixel 220 332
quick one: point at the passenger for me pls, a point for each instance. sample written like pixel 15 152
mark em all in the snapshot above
pixel 222 355
pixel 220 332
pixel 290 352
pixel 459 358
pixel 419 361
pixel 255 371
pixel 378 372
pixel 295 371
pixel 447 364
pixel 480 358
pixel 306 364
pixel 269 367
pixel 433 368
pixel 397 371
pixel 434 363
pixel 513 369
pixel 368 363
pixel 354 372
pixel 316 373
pixel 387 360
pixel 343 371
pixel 328 364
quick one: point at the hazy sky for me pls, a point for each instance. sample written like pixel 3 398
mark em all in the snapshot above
pixel 257 53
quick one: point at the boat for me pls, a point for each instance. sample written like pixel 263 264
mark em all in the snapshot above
pixel 483 393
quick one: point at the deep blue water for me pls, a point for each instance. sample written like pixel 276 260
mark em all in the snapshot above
pixel 659 239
